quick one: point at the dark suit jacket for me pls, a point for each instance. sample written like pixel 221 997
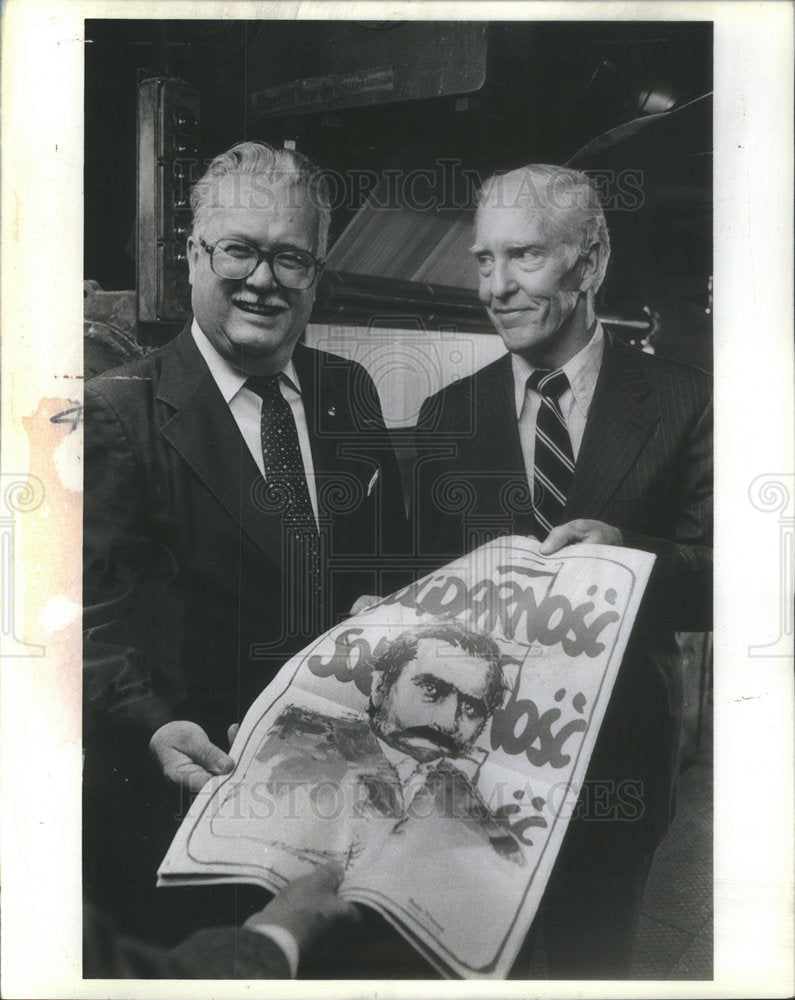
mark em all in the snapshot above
pixel 644 466
pixel 213 953
pixel 192 595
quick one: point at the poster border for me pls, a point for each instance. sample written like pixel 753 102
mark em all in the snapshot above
pixel 42 155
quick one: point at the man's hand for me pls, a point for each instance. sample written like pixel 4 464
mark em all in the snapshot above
pixel 581 530
pixel 363 603
pixel 186 756
pixel 308 907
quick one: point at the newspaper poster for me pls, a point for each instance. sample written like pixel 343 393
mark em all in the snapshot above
pixel 434 744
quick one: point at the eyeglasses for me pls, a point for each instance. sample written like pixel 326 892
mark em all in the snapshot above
pixel 237 260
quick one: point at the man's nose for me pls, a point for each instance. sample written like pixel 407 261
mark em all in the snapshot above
pixel 262 276
pixel 445 716
pixel 501 282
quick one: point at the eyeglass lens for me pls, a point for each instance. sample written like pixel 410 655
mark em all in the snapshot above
pixel 238 260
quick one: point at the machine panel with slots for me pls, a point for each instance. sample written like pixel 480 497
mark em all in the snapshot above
pixel 168 152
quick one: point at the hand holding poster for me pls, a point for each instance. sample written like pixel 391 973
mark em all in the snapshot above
pixel 435 744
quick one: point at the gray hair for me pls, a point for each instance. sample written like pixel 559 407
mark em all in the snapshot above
pixel 568 198
pixel 274 166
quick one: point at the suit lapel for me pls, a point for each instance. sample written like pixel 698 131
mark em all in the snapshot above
pixel 205 434
pixel 324 410
pixel 498 437
pixel 620 420
pixel 327 409
pixel 338 419
pixel 497 461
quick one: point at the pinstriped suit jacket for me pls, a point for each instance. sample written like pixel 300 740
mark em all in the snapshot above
pixel 645 466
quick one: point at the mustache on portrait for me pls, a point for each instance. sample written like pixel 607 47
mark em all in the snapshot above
pixel 442 740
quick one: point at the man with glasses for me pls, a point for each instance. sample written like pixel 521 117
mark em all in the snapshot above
pixel 240 494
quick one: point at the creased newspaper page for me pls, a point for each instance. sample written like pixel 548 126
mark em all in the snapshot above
pixel 434 744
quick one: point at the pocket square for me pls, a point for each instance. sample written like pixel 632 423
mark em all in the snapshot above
pixel 373 481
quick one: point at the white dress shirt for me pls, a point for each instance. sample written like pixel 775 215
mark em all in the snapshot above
pixel 246 406
pixel 582 372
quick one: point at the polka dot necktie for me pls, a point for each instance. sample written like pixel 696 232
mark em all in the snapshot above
pixel 553 464
pixel 286 493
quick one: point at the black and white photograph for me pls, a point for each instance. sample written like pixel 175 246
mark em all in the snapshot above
pixel 358 538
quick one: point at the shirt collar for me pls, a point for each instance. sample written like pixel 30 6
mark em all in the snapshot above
pixel 406 766
pixel 228 379
pixel 582 371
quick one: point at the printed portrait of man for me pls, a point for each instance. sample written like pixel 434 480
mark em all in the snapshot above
pixel 327 786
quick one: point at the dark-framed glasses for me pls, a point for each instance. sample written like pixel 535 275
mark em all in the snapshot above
pixel 237 260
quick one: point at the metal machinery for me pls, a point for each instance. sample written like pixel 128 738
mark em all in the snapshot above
pixel 168 148
pixel 407 117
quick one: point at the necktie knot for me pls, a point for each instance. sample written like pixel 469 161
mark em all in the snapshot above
pixel 265 386
pixel 550 383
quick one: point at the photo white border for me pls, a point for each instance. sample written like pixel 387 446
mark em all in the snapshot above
pixel 42 158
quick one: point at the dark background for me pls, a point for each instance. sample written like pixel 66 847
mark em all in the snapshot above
pixel 491 95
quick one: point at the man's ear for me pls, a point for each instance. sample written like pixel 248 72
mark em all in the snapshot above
pixel 194 249
pixel 590 264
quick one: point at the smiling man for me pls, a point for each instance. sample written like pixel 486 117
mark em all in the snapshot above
pixel 573 437
pixel 536 282
pixel 232 478
pixel 254 256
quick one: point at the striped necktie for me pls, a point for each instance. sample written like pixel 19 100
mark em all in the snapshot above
pixel 553 464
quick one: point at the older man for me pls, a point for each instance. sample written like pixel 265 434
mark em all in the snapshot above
pixel 240 494
pixel 573 437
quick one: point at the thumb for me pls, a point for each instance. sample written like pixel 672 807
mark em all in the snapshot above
pixel 209 756
pixel 232 732
pixel 326 877
pixel 363 602
pixel 557 538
